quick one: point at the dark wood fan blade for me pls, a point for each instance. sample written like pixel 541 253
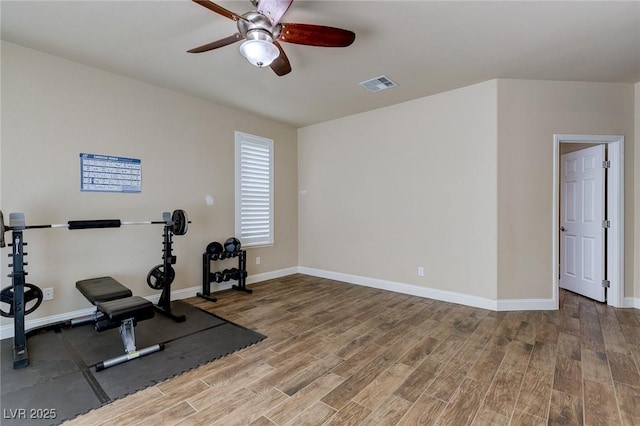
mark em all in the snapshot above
pixel 316 35
pixel 281 65
pixel 216 44
pixel 218 9
pixel 274 9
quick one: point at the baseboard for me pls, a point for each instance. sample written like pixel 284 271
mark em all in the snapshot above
pixel 431 293
pixel 526 305
pixel 631 302
pixel 7 330
pixel 272 275
pixel 414 290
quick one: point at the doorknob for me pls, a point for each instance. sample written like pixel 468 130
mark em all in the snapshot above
pixel 563 229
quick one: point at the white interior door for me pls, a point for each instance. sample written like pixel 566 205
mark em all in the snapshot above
pixel 582 208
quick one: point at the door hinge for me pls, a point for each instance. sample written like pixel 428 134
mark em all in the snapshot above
pixel 606 164
pixel 606 224
pixel 606 283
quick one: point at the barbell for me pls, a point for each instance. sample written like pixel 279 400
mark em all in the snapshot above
pixel 177 221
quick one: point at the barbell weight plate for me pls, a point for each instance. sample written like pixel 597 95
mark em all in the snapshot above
pixel 156 277
pixel 180 222
pixel 31 292
pixel 34 293
pixel 2 229
pixel 6 297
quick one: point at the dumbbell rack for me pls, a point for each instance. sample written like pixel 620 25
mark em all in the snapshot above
pixel 206 273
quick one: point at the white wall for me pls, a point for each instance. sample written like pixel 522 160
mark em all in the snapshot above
pixel 53 109
pixel 410 185
pixel 423 183
pixel 529 114
pixel 460 183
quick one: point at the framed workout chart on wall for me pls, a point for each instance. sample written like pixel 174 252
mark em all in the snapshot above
pixel 107 173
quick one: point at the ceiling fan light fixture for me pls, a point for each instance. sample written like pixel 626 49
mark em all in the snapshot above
pixel 259 49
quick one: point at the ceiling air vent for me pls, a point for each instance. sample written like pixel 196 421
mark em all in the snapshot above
pixel 378 84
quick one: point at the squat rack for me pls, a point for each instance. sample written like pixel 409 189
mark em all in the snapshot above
pixel 174 223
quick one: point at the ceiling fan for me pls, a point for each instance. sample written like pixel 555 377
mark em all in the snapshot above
pixel 262 31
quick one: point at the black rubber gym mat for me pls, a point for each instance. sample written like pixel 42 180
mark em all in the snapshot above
pixel 60 379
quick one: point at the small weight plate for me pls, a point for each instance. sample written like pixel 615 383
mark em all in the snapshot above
pixel 2 229
pixel 156 279
pixel 31 292
pixel 180 222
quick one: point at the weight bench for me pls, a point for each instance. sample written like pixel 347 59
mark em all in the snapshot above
pixel 116 307
pixel 97 290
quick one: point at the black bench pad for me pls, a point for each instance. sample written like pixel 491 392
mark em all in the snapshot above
pixel 102 289
pixel 130 307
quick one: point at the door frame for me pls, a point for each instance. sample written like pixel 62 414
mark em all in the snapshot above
pixel 615 212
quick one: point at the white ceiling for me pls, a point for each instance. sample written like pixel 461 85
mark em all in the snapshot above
pixel 426 47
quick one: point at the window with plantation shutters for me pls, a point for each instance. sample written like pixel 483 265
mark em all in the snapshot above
pixel 254 190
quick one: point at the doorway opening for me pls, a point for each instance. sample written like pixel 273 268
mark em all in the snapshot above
pixel 614 241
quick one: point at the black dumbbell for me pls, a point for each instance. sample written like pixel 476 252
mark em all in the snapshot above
pixel 215 276
pixel 234 273
pixel 226 275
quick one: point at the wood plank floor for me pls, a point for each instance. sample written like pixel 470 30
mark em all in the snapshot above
pixel 341 354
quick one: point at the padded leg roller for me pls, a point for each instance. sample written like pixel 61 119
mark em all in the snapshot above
pixel 126 313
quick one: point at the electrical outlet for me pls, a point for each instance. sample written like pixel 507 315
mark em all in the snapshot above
pixel 421 271
pixel 47 293
pixel 257 260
